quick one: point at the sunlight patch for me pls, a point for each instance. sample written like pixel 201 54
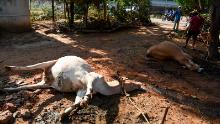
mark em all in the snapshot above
pixel 100 52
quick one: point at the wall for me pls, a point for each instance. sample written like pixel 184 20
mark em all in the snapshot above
pixel 15 15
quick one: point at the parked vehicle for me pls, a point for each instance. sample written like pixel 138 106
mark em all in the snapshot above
pixel 168 17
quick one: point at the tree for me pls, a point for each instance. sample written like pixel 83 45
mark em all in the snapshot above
pixel 200 5
pixel 143 11
pixel 64 7
pixel 194 4
pixel 53 15
pixel 71 19
pixel 214 30
pixel 86 11
pixel 139 11
pixel 105 9
pixel 81 8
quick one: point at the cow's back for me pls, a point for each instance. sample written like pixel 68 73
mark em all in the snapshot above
pixel 164 50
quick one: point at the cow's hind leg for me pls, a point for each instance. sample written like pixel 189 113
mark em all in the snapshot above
pixel 40 85
pixel 42 65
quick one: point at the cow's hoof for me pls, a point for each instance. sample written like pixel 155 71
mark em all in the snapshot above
pixel 200 70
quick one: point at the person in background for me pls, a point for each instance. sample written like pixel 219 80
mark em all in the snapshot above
pixel 194 27
pixel 188 19
pixel 177 16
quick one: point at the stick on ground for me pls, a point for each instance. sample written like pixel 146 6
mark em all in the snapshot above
pixel 164 115
pixel 121 81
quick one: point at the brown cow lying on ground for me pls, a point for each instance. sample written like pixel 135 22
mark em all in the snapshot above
pixel 168 50
pixel 73 74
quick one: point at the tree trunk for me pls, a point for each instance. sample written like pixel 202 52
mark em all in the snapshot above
pixel 53 16
pixel 200 5
pixel 105 9
pixel 68 11
pixel 214 31
pixel 64 7
pixel 99 11
pixel 71 21
pixel 85 19
pixel 30 4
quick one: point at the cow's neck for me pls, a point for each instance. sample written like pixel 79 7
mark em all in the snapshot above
pixel 113 87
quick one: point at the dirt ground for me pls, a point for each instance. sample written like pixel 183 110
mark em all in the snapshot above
pixel 193 98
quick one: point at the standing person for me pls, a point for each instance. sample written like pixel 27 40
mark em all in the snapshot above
pixel 177 17
pixel 194 27
pixel 188 19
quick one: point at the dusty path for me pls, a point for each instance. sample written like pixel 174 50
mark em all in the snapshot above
pixel 194 98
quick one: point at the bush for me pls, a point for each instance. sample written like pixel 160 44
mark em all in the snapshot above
pixel 140 13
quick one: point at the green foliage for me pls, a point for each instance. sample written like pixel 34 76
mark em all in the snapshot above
pixel 43 11
pixel 143 6
pixel 189 5
pixel 121 15
pixel 140 12
pixel 124 11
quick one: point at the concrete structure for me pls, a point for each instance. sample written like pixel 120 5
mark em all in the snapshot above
pixel 164 3
pixel 15 15
pixel 160 6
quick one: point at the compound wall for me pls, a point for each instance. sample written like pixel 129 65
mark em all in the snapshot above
pixel 15 15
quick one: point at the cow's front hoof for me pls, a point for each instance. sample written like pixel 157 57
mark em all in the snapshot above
pixel 200 70
pixel 65 114
pixel 68 110
pixel 84 103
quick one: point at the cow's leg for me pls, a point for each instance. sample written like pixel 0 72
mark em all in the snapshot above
pixel 88 94
pixel 79 96
pixel 185 61
pixel 40 85
pixel 42 65
pixel 189 64
pixel 78 100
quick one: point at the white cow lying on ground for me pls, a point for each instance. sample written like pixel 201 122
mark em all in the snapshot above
pixel 72 74
pixel 168 50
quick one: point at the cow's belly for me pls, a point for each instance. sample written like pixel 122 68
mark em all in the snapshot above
pixel 67 85
pixel 69 73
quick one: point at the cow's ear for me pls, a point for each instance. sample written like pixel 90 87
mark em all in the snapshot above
pixel 102 78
